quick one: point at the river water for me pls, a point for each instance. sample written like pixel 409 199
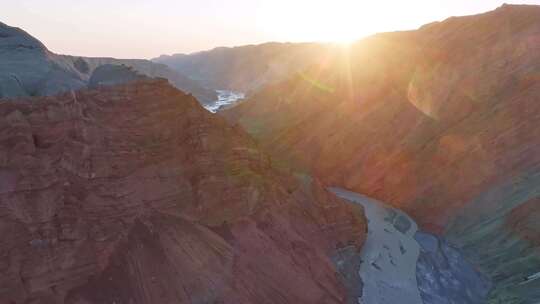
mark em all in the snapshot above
pixel 403 265
pixel 225 99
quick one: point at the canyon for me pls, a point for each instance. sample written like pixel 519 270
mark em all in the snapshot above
pixel 401 264
pixel 404 168
pixel 439 122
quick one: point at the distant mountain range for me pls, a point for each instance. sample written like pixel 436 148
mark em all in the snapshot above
pixel 28 68
pixel 247 68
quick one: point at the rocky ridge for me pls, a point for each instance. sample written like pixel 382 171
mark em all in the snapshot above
pixel 247 68
pixel 135 194
pixel 28 68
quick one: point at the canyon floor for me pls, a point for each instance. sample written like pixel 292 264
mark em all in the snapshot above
pixel 403 265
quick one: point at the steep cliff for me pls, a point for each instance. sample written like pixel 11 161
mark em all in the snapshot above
pixel 430 121
pixel 425 119
pixel 136 194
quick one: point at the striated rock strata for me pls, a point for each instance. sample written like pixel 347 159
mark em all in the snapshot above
pixel 425 120
pixel 436 121
pixel 136 194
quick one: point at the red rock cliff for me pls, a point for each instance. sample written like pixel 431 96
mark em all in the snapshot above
pixel 135 194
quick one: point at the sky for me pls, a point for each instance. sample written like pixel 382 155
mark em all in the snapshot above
pixel 149 28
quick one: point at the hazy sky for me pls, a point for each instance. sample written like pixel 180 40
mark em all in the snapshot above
pixel 145 28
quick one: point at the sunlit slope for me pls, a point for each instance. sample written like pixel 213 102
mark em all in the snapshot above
pixel 430 121
pixel 424 119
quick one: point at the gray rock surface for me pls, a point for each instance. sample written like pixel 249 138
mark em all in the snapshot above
pixel 444 276
pixel 28 68
pixel 84 67
pixel 110 74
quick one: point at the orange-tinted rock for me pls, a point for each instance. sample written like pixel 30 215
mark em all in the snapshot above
pixel 135 194
pixel 425 119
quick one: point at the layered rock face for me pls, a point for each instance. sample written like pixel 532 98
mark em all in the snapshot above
pixel 425 119
pixel 28 68
pixel 431 121
pixel 246 68
pixel 135 194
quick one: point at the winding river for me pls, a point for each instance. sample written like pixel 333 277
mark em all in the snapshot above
pixel 403 265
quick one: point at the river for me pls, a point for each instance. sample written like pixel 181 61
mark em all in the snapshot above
pixel 403 265
pixel 225 98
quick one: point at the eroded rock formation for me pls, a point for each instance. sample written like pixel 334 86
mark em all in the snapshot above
pixel 136 194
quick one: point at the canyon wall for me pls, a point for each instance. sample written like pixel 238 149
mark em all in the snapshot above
pixel 136 194
pixel 430 121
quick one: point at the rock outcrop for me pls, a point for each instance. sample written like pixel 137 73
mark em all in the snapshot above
pixel 110 75
pixel 135 194
pixel 444 276
pixel 28 68
pixel 85 66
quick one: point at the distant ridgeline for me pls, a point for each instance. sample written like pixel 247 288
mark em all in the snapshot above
pixel 109 74
pixel 28 68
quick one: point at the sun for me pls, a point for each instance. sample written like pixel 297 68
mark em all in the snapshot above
pixel 341 21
